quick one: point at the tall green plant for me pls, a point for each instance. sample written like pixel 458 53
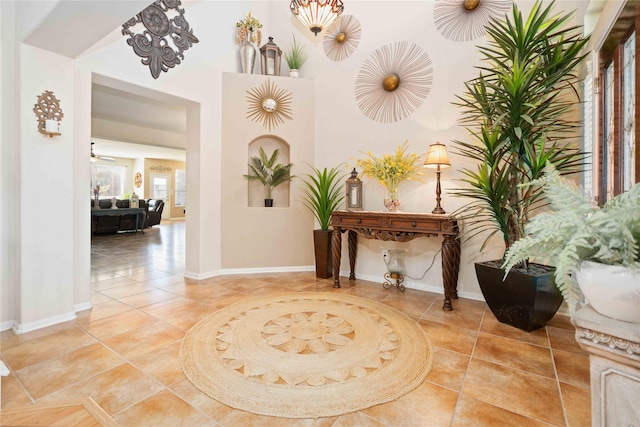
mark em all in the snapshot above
pixel 324 193
pixel 271 174
pixel 295 55
pixel 519 113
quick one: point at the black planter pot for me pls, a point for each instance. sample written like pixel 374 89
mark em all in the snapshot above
pixel 322 250
pixel 268 203
pixel 525 300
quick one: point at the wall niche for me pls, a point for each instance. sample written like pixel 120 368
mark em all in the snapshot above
pixel 255 190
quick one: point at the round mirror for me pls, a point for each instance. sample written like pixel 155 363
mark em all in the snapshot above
pixel 269 105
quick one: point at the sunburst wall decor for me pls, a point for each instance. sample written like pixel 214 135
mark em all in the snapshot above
pixel 152 45
pixel 465 20
pixel 342 38
pixel 394 82
pixel 269 105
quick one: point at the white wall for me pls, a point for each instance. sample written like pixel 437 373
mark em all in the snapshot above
pixel 54 254
pixel 46 185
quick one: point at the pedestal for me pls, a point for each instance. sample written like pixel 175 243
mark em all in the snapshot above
pixel 614 354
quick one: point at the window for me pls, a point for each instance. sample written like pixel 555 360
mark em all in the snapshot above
pixel 109 178
pixel 181 187
pixel 618 165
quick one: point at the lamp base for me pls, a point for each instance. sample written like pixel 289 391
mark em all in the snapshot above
pixel 438 210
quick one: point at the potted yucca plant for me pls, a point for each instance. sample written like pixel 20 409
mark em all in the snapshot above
pixel 324 193
pixel 270 173
pixel 295 56
pixel 519 116
pixel 596 250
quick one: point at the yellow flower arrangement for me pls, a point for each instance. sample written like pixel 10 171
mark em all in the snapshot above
pixel 392 169
pixel 248 26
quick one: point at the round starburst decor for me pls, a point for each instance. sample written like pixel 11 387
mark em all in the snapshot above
pixel 394 82
pixel 465 20
pixel 306 355
pixel 269 105
pixel 342 38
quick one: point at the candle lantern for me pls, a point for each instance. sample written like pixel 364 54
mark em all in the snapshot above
pixel 354 192
pixel 271 56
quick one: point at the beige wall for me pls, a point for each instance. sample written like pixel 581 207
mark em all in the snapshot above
pixel 259 237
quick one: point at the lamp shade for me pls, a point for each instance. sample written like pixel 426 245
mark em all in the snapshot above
pixel 316 14
pixel 437 156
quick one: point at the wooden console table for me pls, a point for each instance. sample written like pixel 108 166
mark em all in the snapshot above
pixel 398 227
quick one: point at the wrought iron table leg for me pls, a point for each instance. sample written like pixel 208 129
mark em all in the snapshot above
pixel 353 251
pixel 450 266
pixel 336 253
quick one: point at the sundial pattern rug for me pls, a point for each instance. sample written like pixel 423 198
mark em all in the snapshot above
pixel 306 355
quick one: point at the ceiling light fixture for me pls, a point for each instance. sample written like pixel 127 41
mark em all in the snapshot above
pixel 316 14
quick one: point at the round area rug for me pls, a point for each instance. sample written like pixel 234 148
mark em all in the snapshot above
pixel 306 355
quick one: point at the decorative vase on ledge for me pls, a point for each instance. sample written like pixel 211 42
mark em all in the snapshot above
pixel 294 73
pixel 391 202
pixel 247 55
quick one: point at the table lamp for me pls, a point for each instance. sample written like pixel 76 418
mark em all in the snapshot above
pixel 437 159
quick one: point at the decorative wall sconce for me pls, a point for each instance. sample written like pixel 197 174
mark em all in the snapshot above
pixel 437 159
pixel 152 45
pixel 137 179
pixel 269 104
pixel 271 56
pixel 316 14
pixel 49 114
pixel 354 192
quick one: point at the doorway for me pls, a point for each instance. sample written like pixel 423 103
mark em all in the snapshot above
pixel 160 189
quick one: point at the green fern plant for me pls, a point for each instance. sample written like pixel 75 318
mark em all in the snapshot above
pixel 271 174
pixel 324 193
pixel 576 229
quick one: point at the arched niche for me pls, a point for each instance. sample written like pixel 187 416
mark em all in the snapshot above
pixel 255 189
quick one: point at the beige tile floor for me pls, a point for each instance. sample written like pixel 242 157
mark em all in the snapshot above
pixel 124 352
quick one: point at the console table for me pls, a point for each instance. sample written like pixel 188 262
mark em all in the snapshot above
pixel 138 212
pixel 398 227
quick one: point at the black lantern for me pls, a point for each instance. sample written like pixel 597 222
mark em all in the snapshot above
pixel 270 55
pixel 354 192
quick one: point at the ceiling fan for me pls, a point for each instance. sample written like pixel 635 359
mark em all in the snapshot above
pixel 95 158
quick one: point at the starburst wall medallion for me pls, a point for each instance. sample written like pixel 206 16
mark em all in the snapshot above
pixel 394 82
pixel 269 105
pixel 342 38
pixel 465 20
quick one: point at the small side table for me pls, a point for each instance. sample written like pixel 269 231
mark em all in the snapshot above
pixel 614 356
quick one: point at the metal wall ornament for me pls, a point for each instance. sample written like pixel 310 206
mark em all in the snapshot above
pixel 269 105
pixel 394 82
pixel 152 45
pixel 47 110
pixel 342 38
pixel 465 20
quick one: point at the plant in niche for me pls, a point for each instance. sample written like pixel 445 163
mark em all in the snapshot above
pixel 391 169
pixel 518 113
pixel 323 193
pixel 577 230
pixel 296 55
pixel 268 172
pixel 248 29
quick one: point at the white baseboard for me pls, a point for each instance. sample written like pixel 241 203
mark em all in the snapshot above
pixel 257 270
pixel 42 323
pixel 6 325
pixel 82 306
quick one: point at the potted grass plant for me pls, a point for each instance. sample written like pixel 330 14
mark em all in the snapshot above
pixel 323 195
pixel 270 173
pixel 295 56
pixel 596 250
pixel 519 114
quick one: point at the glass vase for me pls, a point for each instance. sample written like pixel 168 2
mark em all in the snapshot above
pixel 391 201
